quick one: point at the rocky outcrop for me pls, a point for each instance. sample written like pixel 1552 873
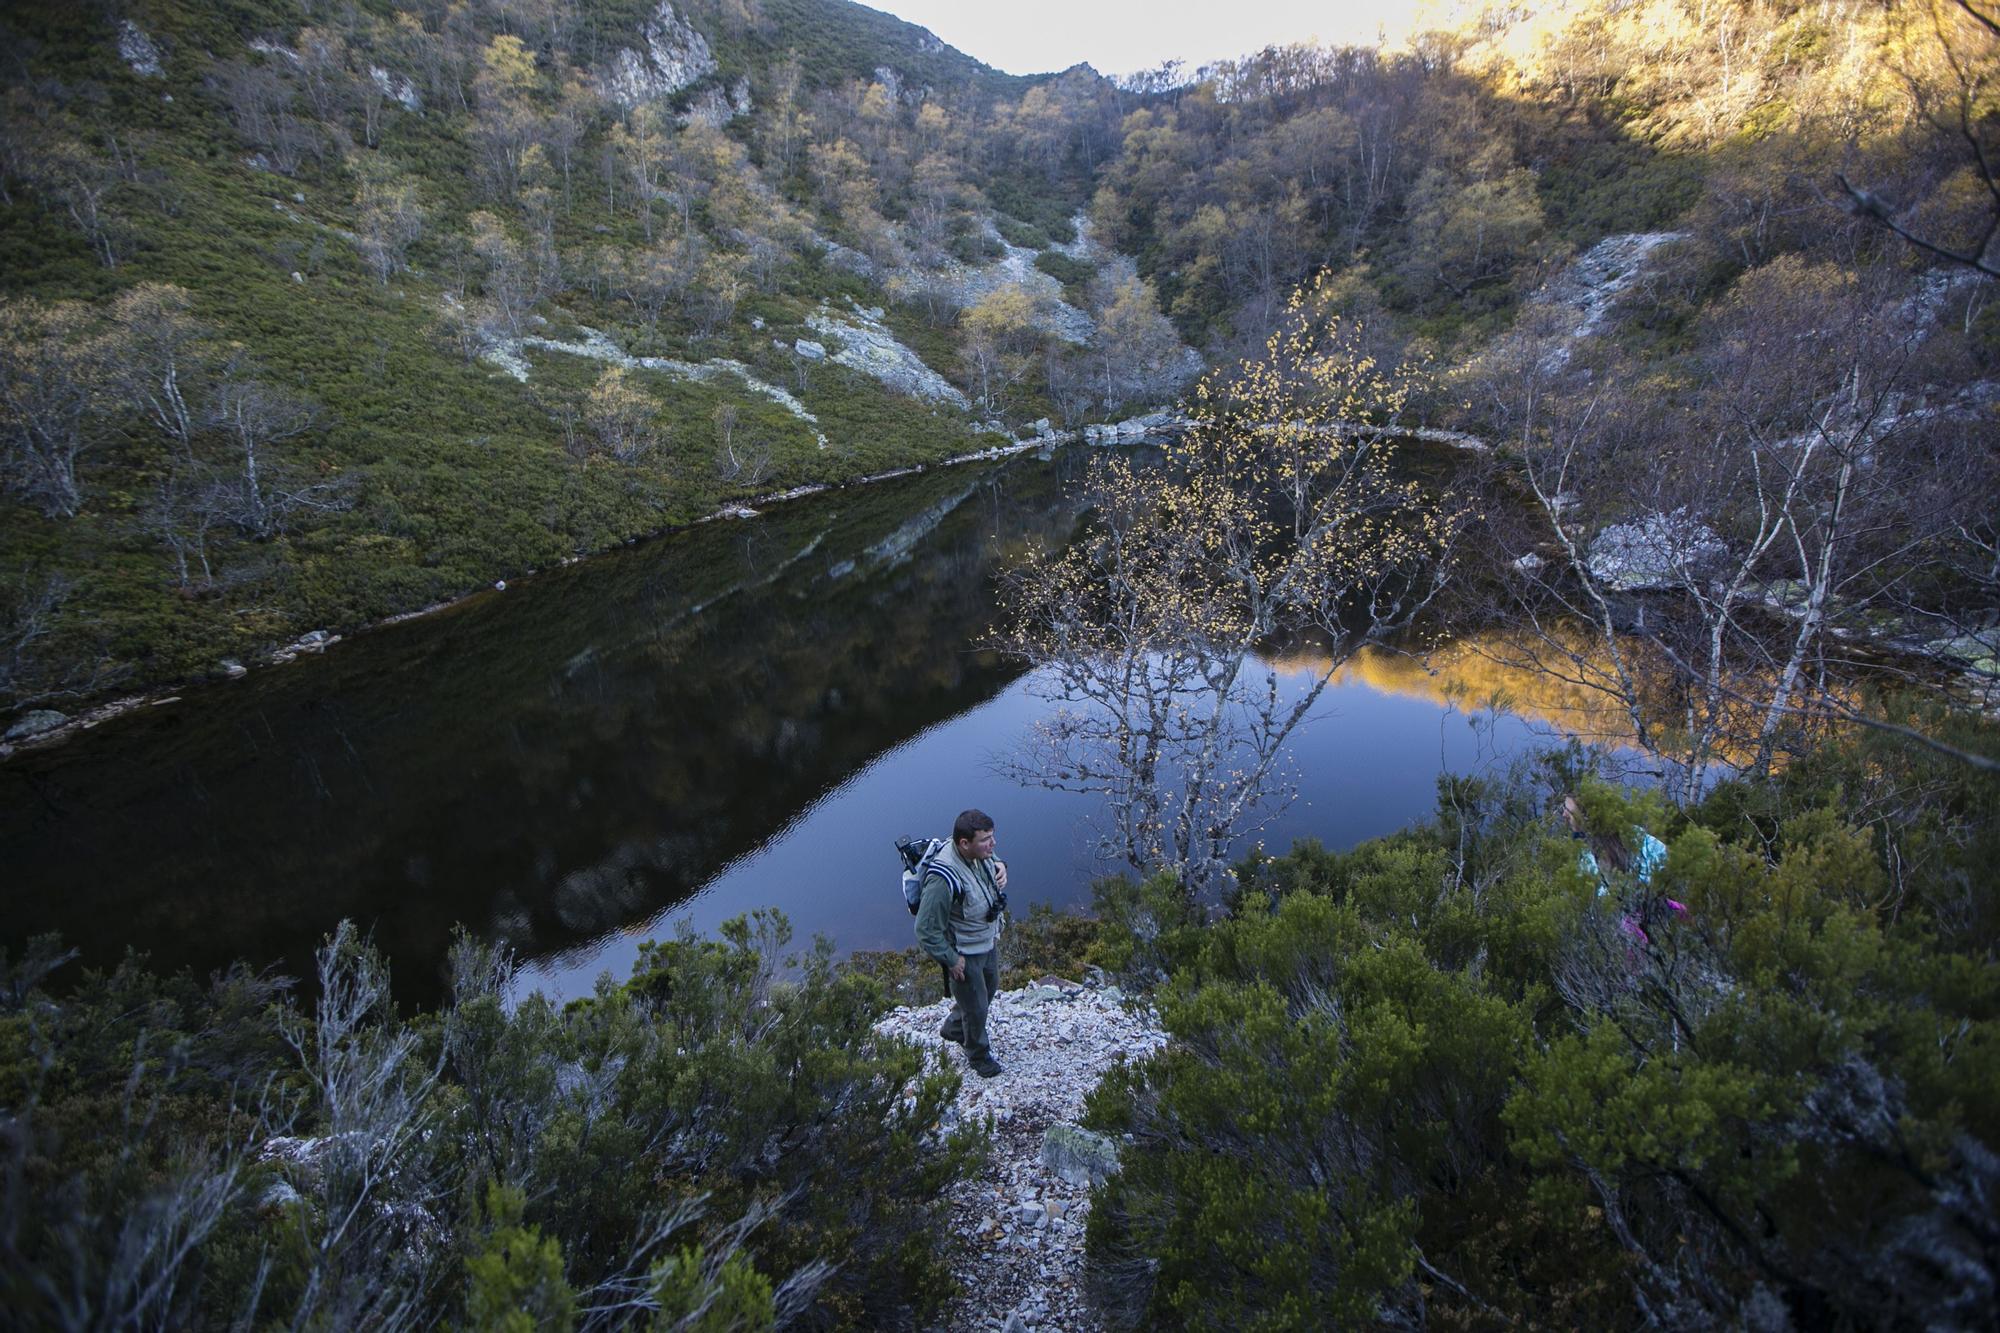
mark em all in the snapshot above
pixel 1114 271
pixel 1082 246
pixel 1020 1224
pixel 964 285
pixel 276 50
pixel 1592 285
pixel 597 346
pixel 1924 309
pixel 137 50
pixel 714 108
pixel 396 88
pixel 954 283
pixel 1134 429
pixel 862 342
pixel 674 57
pixel 951 282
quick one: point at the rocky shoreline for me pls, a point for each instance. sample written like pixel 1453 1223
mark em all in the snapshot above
pixel 1019 1224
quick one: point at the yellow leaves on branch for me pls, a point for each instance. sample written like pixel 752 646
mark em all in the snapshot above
pixel 1280 504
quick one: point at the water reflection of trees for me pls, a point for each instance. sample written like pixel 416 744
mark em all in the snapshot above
pixel 1498 668
pixel 546 766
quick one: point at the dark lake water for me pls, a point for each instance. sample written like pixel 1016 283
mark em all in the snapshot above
pixel 745 714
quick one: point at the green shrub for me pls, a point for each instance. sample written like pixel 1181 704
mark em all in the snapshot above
pixel 1073 274
pixel 1023 234
pixel 514 1277
pixel 1031 201
pixel 1440 1073
pixel 727 1108
pixel 1046 942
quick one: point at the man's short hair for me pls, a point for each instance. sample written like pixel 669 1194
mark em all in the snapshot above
pixel 970 824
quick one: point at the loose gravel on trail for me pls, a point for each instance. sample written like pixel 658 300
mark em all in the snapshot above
pixel 1020 1225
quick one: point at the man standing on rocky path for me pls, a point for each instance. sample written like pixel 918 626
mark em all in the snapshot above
pixel 958 923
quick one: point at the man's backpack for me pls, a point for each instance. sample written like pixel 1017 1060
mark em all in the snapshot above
pixel 921 857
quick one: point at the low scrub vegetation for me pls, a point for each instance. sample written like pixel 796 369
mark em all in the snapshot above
pixel 720 1142
pixel 1451 1077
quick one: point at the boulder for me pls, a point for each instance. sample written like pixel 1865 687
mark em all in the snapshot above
pixel 278 1195
pixel 1078 1156
pixel 1978 653
pixel 34 723
pixel 810 350
pixel 1659 550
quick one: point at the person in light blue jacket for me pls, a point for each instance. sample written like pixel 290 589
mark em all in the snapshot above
pixel 1638 854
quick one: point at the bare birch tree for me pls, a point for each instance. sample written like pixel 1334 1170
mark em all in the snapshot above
pixel 162 356
pixel 264 489
pixel 1702 553
pixel 52 379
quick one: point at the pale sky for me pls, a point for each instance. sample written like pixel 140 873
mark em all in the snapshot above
pixel 1124 36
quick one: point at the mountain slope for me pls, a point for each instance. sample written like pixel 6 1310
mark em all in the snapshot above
pixel 360 248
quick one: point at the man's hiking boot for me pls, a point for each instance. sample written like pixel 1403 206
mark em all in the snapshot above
pixel 988 1068
pixel 952 1032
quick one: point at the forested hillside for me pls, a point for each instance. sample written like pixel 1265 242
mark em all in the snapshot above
pixel 318 314
pixel 275 281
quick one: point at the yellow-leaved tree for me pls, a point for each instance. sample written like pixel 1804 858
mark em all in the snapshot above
pixel 1001 337
pixel 1281 514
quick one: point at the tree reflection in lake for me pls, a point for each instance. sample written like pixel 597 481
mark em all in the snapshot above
pixel 741 715
pixel 545 765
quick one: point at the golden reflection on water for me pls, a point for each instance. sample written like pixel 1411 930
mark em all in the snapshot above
pixel 1566 686
pixel 1473 675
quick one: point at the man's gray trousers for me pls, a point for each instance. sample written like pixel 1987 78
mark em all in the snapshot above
pixel 971 999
